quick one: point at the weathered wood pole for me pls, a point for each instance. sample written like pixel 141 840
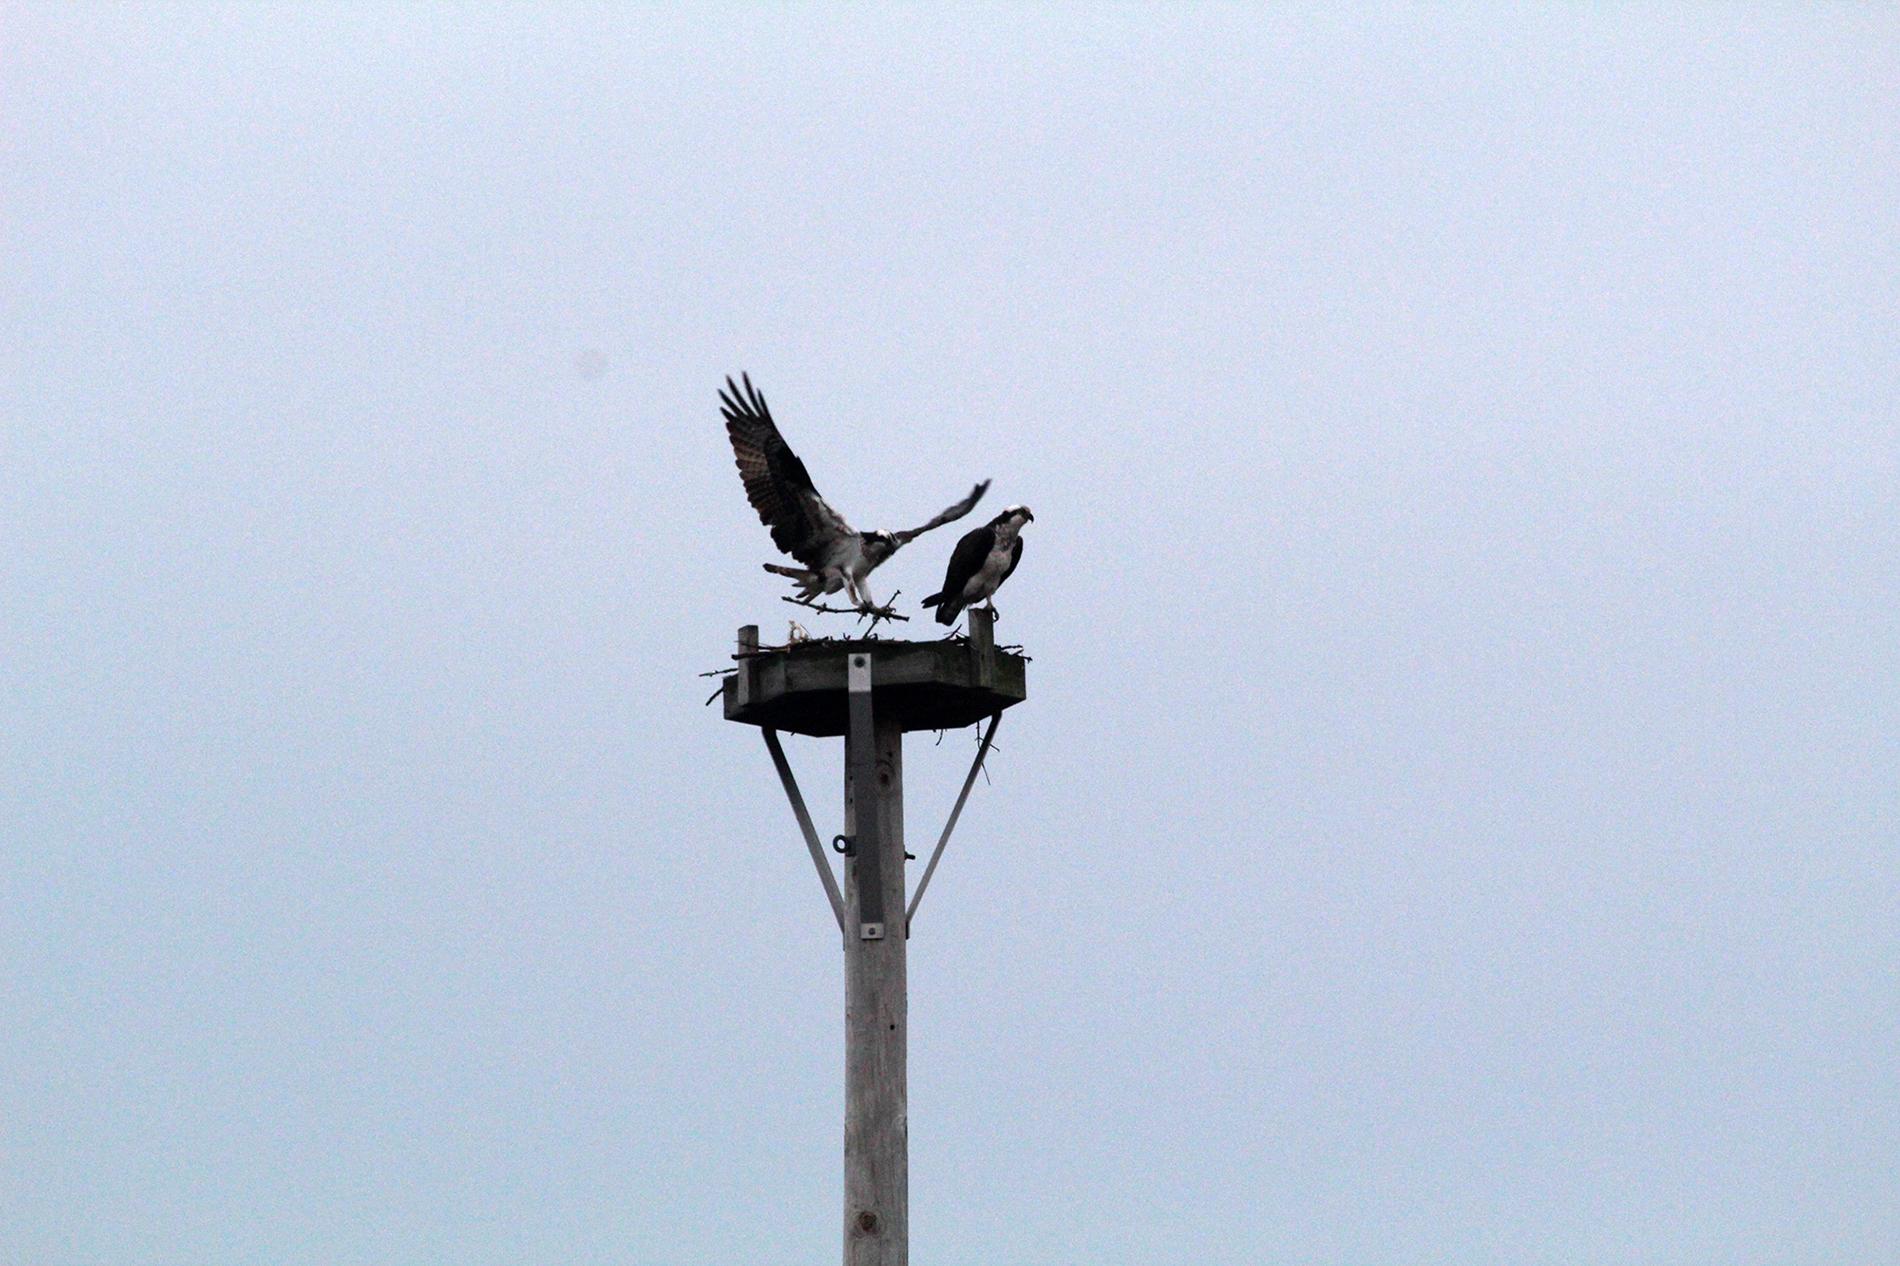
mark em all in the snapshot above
pixel 923 685
pixel 876 1126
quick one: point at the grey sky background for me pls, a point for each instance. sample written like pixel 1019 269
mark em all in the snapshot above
pixel 1455 815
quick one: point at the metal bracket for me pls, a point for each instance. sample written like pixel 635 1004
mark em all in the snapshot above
pixel 867 838
pixel 983 750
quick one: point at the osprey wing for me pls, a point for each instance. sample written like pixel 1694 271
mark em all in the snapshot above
pixel 950 515
pixel 803 524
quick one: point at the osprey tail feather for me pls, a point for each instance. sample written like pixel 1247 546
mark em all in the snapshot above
pixel 948 609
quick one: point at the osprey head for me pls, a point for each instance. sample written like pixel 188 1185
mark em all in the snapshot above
pixel 1021 514
pixel 878 546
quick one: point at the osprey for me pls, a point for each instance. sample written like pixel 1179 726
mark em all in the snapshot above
pixel 980 564
pixel 835 555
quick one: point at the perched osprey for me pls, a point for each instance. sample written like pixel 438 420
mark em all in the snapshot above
pixel 979 565
pixel 835 555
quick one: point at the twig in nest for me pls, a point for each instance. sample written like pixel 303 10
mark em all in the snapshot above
pixel 816 606
pixel 985 766
pixel 886 612
pixel 714 695
pixel 719 672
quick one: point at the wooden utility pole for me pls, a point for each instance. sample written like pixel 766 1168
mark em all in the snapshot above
pixel 871 692
pixel 876 1025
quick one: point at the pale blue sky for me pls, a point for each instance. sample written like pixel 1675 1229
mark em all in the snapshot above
pixel 1455 816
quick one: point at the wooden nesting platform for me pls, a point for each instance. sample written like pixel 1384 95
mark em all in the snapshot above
pixel 937 685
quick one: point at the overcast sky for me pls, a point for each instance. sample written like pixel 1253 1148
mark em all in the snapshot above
pixel 1455 815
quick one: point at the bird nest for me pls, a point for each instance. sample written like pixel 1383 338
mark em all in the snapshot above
pixel 801 686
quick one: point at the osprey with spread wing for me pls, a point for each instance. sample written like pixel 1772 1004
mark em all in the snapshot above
pixel 835 555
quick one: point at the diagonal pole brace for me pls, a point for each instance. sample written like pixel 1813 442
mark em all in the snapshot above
pixel 804 824
pixel 982 750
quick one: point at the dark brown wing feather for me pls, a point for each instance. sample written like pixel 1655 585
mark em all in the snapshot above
pixel 776 483
pixel 950 515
